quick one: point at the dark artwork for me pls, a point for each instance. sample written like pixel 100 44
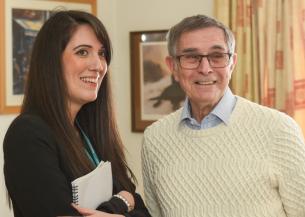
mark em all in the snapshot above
pixel 26 24
pixel 162 94
pixel 155 91
pixel 152 71
pixel 173 93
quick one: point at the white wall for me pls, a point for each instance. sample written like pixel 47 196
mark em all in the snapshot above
pixel 120 17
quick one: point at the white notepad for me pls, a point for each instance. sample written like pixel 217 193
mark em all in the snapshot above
pixel 94 188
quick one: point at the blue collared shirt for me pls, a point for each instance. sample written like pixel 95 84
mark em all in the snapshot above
pixel 220 114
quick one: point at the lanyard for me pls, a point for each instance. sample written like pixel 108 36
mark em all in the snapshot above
pixel 88 147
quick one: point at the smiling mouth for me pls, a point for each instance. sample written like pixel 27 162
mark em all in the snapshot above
pixel 92 80
pixel 205 82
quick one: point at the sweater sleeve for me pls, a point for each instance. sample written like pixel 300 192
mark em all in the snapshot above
pixel 147 170
pixel 288 157
pixel 36 184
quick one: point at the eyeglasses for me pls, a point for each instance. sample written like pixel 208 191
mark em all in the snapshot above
pixel 192 61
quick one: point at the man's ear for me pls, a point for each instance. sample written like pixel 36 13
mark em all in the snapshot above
pixel 171 64
pixel 234 61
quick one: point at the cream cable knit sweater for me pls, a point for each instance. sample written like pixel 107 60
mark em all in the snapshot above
pixel 254 167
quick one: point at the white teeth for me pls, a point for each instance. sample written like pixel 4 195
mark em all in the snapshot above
pixel 89 80
pixel 205 82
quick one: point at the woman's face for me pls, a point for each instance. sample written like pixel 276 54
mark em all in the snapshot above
pixel 84 66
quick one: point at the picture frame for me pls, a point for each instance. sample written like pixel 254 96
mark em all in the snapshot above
pixel 20 21
pixel 155 93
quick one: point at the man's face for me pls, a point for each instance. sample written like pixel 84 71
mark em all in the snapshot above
pixel 203 85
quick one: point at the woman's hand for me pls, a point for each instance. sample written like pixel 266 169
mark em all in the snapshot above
pixel 93 213
pixel 128 196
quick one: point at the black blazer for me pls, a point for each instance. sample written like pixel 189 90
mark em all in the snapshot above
pixel 38 180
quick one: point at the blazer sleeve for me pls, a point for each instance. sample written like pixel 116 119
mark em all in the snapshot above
pixel 117 206
pixel 34 179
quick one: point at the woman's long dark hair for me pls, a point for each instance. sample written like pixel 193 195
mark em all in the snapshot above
pixel 46 94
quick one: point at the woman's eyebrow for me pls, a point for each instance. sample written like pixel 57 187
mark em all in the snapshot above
pixel 82 45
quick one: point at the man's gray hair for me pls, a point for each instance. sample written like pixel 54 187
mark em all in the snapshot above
pixel 196 22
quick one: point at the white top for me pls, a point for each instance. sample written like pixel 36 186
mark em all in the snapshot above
pixel 252 167
pixel 220 113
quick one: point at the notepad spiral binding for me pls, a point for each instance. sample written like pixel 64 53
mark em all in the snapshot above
pixel 75 194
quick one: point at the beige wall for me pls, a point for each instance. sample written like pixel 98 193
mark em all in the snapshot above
pixel 121 17
pixel 4 123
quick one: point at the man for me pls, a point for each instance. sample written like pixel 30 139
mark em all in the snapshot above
pixel 220 155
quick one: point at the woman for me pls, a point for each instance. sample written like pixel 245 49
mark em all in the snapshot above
pixel 67 126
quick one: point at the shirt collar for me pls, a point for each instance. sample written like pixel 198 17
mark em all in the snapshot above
pixel 222 110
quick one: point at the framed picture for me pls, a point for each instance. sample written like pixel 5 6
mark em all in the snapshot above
pixel 155 92
pixel 20 22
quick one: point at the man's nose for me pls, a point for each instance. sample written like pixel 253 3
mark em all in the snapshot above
pixel 204 66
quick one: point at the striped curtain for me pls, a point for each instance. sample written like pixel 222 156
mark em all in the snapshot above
pixel 270 43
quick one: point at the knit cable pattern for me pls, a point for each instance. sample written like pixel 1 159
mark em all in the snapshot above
pixel 252 167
